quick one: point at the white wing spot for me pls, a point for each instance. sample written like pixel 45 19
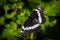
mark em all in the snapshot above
pixel 32 27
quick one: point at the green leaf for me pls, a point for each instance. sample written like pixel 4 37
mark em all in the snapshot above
pixel 44 25
pixel 18 21
pixel 49 11
pixel 10 15
pixel 20 5
pixel 8 26
pixel 51 24
pixel 6 7
pixel 34 3
pixel 2 19
pixel 13 25
pixel 52 9
pixel 8 33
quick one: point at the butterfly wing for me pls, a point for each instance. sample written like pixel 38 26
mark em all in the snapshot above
pixel 31 24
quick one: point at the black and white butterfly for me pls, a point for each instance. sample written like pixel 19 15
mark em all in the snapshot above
pixel 34 22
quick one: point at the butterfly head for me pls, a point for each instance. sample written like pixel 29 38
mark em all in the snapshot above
pixel 40 10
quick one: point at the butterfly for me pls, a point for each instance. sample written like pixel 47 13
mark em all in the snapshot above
pixel 34 21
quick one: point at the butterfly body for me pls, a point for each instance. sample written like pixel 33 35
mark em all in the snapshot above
pixel 34 22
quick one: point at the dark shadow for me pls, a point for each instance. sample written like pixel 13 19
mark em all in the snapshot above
pixel 2 11
pixel 54 32
pixel 1 28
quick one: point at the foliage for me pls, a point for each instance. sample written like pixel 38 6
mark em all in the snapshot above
pixel 17 12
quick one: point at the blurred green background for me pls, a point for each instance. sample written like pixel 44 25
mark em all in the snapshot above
pixel 13 13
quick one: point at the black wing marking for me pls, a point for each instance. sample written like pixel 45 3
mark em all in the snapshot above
pixel 31 19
